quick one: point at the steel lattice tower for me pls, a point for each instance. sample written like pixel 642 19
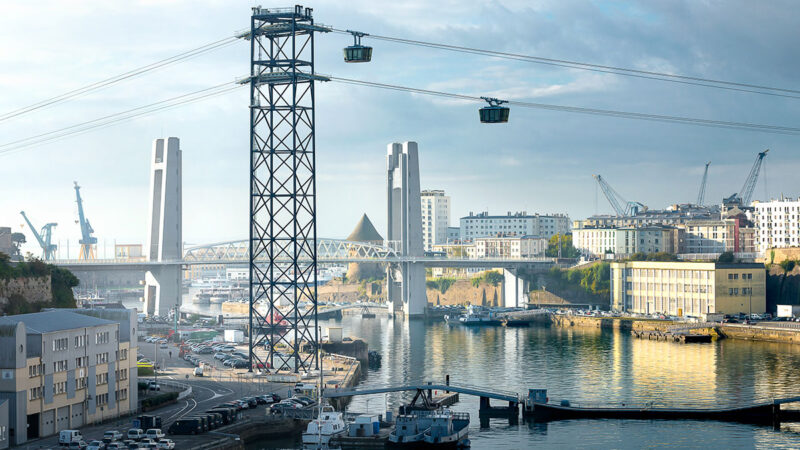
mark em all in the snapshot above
pixel 283 230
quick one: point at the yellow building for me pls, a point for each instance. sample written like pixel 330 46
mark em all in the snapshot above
pixel 688 288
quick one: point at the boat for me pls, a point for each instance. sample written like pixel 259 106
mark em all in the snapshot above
pixel 476 317
pixel 319 432
pixel 440 428
pixel 202 298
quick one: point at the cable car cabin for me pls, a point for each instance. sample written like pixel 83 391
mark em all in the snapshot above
pixel 494 114
pixel 357 54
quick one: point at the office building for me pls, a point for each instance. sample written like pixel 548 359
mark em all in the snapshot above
pixel 688 288
pixel 482 224
pixel 62 369
pixel 435 218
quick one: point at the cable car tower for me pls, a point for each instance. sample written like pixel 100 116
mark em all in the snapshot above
pixel 87 240
pixel 283 227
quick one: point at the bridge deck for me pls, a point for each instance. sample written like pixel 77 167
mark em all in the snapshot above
pixel 461 389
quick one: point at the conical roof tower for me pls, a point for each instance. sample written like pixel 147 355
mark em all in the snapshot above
pixel 365 232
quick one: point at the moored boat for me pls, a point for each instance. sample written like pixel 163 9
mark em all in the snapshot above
pixel 434 429
pixel 319 432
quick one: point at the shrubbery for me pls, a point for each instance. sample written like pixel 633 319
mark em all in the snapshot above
pixel 160 399
pixel 61 283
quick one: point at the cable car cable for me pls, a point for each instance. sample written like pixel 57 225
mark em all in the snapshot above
pixel 593 111
pixel 644 74
pixel 117 78
pixel 111 119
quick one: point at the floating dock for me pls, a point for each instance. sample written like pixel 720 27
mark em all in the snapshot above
pixel 764 414
pixel 683 338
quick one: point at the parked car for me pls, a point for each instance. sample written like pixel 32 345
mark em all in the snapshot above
pixel 96 445
pixel 284 405
pixel 78 445
pixel 154 433
pixel 111 436
pixel 135 434
pixel 220 356
pixel 305 400
pixel 166 444
pixel 65 437
pixel 152 385
pixel 198 371
pixel 251 401
pixel 115 446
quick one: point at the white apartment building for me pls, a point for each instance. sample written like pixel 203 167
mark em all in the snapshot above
pixel 717 236
pixel 435 218
pixel 777 223
pixel 482 224
pixel 620 242
pixel 510 247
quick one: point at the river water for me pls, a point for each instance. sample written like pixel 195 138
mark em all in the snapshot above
pixel 582 365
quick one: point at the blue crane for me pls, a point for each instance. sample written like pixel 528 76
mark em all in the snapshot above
pixel 44 238
pixel 701 196
pixel 87 240
pixel 616 200
pixel 746 192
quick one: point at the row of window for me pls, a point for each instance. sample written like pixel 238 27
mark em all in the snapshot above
pixel 121 394
pixel 59 366
pixel 101 338
pixel 101 358
pixel 735 291
pixel 83 361
pixel 101 378
pixel 60 344
pixel 735 276
pixel 36 392
pixel 36 370
pixel 59 387
pixel 102 399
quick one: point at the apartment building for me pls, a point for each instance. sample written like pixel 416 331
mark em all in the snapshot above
pixel 482 224
pixel 435 217
pixel 777 223
pixel 688 288
pixel 597 242
pixel 717 236
pixel 510 247
pixel 62 369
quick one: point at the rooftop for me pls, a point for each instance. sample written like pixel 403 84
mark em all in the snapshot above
pixel 50 321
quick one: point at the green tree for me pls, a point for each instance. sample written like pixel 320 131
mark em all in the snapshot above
pixel 726 257
pixel 567 249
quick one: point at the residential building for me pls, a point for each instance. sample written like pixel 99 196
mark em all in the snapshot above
pixel 674 215
pixel 435 217
pixel 453 234
pixel 687 288
pixel 717 236
pixel 482 224
pixel 777 223
pixel 62 369
pixel 603 242
pixel 510 247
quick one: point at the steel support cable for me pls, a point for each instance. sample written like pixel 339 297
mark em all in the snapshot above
pixel 644 74
pixel 121 77
pixel 594 111
pixel 111 119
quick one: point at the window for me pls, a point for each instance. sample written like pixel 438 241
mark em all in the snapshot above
pixel 83 361
pixel 101 338
pixel 36 370
pixel 59 366
pixel 101 378
pixel 81 383
pixel 60 345
pixel 102 399
pixel 101 358
pixel 80 341
pixel 121 394
pixel 59 387
pixel 34 393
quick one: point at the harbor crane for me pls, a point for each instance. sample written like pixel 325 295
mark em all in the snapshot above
pixel 44 238
pixel 87 240
pixel 616 200
pixel 701 196
pixel 746 192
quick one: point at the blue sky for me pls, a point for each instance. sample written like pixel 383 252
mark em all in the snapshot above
pixel 541 161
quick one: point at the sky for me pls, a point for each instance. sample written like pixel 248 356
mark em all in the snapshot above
pixel 541 161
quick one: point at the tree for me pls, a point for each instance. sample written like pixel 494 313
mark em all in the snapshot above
pixel 567 249
pixel 726 257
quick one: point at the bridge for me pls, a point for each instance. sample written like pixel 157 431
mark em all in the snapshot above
pixel 329 251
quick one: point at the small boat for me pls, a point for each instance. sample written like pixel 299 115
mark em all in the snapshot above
pixel 476 317
pixel 439 428
pixel 447 428
pixel 320 431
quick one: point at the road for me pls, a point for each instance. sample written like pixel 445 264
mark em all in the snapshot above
pixel 207 392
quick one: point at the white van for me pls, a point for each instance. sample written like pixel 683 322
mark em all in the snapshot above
pixel 66 437
pixel 198 371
